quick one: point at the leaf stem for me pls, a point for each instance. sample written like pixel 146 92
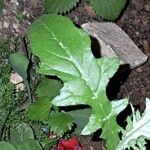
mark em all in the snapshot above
pixel 3 126
pixel 29 91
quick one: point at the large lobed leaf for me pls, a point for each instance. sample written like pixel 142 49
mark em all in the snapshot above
pixel 59 6
pixel 108 9
pixel 137 130
pixel 65 51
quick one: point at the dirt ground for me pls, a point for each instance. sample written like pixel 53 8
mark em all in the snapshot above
pixel 17 16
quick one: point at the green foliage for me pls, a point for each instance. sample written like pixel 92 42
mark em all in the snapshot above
pixel 81 118
pixel 4 51
pixel 21 138
pixel 49 143
pixel 59 6
pixel 107 9
pixel 48 88
pixel 60 123
pixel 9 100
pixel 21 133
pixel 1 5
pixel 65 51
pixel 40 109
pixel 6 146
pixel 19 64
pixel 137 130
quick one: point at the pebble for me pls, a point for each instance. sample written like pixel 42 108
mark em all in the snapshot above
pixel 5 24
pixel 1 25
pixel 15 26
pixel 14 1
pixel 147 7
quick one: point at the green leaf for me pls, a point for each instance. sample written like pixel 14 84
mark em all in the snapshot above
pixel 81 118
pixel 19 64
pixel 21 133
pixel 65 51
pixel 59 6
pixel 28 145
pixel 40 109
pixel 60 123
pixel 137 129
pixel 49 143
pixel 108 9
pixel 120 105
pixel 6 146
pixel 49 88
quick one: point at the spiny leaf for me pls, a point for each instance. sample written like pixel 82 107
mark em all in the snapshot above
pixel 40 109
pixel 59 6
pixel 60 123
pixel 65 51
pixel 20 64
pixel 49 88
pixel 108 9
pixel 137 127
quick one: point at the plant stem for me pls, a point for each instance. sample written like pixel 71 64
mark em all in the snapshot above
pixel 3 126
pixel 29 91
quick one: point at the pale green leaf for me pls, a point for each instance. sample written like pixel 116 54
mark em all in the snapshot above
pixel 65 51
pixel 108 9
pixel 6 146
pixel 28 145
pixel 49 88
pixel 60 123
pixel 22 132
pixel 139 128
pixel 81 118
pixel 19 64
pixel 120 105
pixel 40 109
pixel 59 6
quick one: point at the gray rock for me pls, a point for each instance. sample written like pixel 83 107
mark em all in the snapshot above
pixel 119 42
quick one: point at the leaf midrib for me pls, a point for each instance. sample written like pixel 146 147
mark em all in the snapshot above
pixel 71 58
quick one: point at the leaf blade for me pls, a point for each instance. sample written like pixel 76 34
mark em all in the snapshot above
pixel 40 109
pixel 85 77
pixel 136 128
pixel 59 6
pixel 20 64
pixel 60 123
pixel 107 9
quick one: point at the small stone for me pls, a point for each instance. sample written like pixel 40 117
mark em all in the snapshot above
pixel 4 11
pixel 15 26
pixel 1 25
pixel 14 1
pixel 147 7
pixel 5 24
pixel 17 81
